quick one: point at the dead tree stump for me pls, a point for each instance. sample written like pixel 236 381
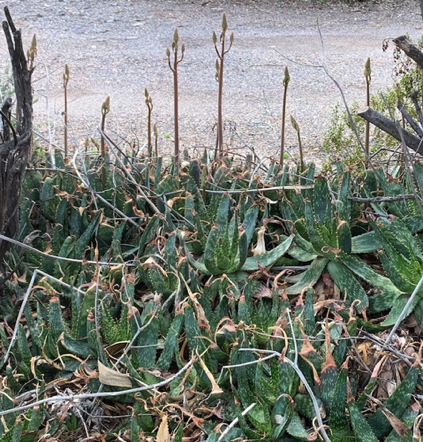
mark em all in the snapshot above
pixel 15 143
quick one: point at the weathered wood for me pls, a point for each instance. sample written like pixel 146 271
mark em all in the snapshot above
pixel 5 119
pixel 391 128
pixel 410 49
pixel 410 120
pixel 14 152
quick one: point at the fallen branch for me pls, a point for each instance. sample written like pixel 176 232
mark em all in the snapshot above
pixel 391 128
pixel 409 49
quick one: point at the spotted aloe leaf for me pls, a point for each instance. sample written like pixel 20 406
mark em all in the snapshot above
pixel 396 404
pixel 348 284
pixel 402 260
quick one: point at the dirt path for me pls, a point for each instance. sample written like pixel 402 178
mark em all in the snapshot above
pixel 117 48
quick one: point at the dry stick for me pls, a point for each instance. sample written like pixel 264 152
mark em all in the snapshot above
pixel 65 113
pixel 219 77
pixel 368 76
pixel 285 81
pixel 79 261
pixel 174 68
pixel 409 360
pixel 409 119
pixel 417 106
pixel 382 199
pixel 410 49
pixel 220 192
pixel 235 421
pixel 389 126
pixel 80 397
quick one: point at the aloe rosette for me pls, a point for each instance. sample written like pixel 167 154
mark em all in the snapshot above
pixel 402 259
pixel 322 227
pixel 227 245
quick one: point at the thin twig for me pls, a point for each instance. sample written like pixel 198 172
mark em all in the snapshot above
pixel 61 258
pixel 267 189
pixel 235 421
pixel 106 394
pixel 383 199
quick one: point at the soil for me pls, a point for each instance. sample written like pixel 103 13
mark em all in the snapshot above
pixel 117 48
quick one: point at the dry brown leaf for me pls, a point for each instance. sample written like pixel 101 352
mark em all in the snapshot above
pixel 260 248
pixel 396 423
pixel 215 388
pixel 116 348
pixel 108 376
pixel 163 433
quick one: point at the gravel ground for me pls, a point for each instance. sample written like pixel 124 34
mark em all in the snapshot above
pixel 118 47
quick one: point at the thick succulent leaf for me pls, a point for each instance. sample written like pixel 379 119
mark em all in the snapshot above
pixel 322 201
pixel 222 216
pixel 348 284
pixel 397 403
pixel 318 233
pixel 397 308
pixel 344 236
pixel 395 275
pixel 301 254
pixel 296 427
pixel 361 428
pixel 362 270
pixel 305 245
pixel 365 243
pixel 249 222
pixel 391 240
pixel 281 414
pixel 343 203
pixel 337 417
pixel 309 277
pixel 252 263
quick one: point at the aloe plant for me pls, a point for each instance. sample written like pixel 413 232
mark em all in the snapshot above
pixel 402 260
pixel 197 281
pixel 226 247
pixel 323 236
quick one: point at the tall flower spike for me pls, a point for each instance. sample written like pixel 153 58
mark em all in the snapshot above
pixel 285 82
pixel 368 70
pixel 173 66
pixel 221 52
pixel 224 23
